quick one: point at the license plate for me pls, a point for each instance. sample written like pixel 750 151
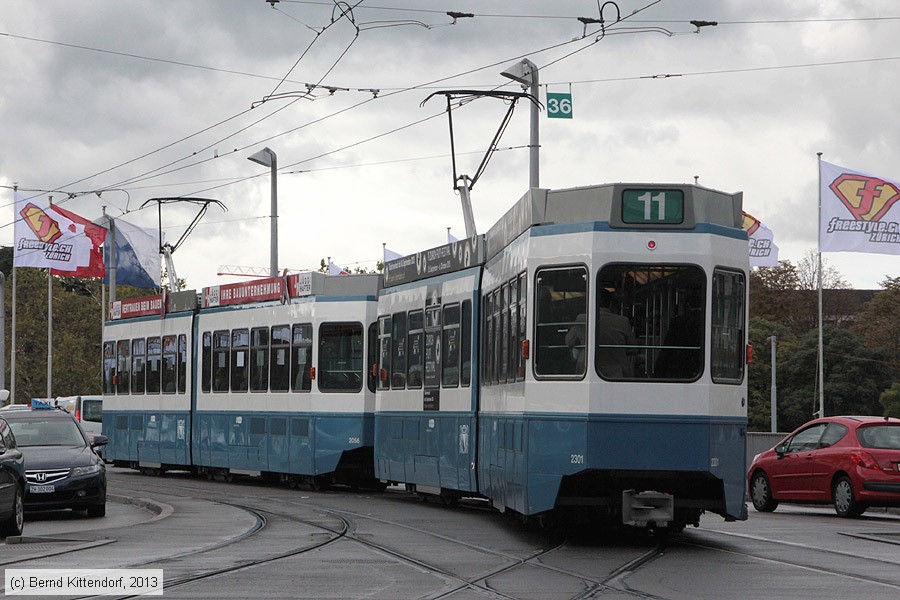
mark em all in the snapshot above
pixel 42 489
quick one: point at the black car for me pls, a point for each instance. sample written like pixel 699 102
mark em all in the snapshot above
pixel 12 483
pixel 62 469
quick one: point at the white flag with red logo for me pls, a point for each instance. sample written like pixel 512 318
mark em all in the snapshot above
pixel 763 251
pixel 860 212
pixel 50 237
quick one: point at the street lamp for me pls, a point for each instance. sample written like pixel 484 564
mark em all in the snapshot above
pixel 526 73
pixel 267 158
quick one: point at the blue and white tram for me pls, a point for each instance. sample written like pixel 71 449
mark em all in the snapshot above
pixel 283 388
pixel 272 380
pixel 427 386
pixel 147 381
pixel 609 334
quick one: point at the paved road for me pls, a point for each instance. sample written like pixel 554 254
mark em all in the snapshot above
pixel 251 540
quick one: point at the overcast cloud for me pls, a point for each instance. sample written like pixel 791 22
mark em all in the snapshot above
pixel 144 99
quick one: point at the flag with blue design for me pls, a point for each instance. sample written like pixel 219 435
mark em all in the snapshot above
pixel 137 256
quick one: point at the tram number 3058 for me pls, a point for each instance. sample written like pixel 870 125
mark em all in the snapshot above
pixel 578 459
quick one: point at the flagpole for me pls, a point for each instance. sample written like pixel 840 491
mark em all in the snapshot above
pixel 821 357
pixel 12 341
pixel 49 334
pixel 12 334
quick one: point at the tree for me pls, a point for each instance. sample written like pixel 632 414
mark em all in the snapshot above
pixel 855 377
pixel 877 325
pixel 890 399
pixel 759 372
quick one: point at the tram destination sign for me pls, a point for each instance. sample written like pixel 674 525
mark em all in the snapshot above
pixel 448 258
pixel 652 207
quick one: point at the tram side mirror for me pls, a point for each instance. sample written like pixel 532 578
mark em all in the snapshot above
pixel 4 397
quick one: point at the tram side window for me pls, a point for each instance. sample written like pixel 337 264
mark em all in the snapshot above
pixel 650 323
pixel 561 309
pixel 138 365
pixel 431 357
pixel 207 361
pixel 372 356
pixel 465 344
pixel 240 363
pixel 451 346
pixel 109 367
pixel 169 364
pixel 384 344
pixel 513 333
pixel 279 359
pixel 123 366
pixel 416 347
pixel 340 357
pixel 301 358
pixel 523 297
pixel 488 340
pixel 154 359
pixel 398 351
pixel 503 345
pixel 221 343
pixel 259 359
pixel 496 374
pixel 182 363
pixel 727 344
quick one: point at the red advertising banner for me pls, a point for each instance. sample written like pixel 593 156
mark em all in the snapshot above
pixel 259 290
pixel 136 307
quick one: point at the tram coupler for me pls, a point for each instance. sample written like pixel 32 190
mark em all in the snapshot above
pixel 642 509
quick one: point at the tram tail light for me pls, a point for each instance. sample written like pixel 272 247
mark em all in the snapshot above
pixel 384 374
pixel 749 353
pixel 312 373
pixel 526 349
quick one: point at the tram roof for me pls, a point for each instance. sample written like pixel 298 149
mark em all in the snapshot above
pixel 605 203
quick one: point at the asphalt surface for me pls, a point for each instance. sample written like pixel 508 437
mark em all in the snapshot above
pixel 248 539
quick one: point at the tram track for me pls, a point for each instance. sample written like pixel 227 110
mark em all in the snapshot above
pixel 456 582
pixel 379 532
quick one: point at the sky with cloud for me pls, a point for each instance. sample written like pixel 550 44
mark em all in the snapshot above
pixel 112 104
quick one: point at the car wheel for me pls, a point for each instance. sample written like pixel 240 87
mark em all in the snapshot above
pixel 97 510
pixel 15 523
pixel 761 493
pixel 845 505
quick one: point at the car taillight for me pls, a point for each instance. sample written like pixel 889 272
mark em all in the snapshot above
pixel 864 460
pixel 78 415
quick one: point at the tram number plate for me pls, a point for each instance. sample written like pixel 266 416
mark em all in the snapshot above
pixel 42 489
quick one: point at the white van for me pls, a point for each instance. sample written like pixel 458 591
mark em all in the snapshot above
pixel 87 410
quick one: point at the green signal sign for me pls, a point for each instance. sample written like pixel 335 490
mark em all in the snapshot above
pixel 559 106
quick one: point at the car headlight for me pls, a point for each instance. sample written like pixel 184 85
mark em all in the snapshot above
pixel 88 470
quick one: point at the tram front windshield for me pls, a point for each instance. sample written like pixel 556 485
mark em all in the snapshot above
pixel 650 322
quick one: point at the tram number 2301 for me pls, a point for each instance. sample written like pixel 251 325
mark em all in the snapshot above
pixel 577 459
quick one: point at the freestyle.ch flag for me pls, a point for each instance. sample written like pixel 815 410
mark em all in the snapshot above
pixel 763 251
pixel 391 255
pixel 137 256
pixel 51 237
pixel 860 212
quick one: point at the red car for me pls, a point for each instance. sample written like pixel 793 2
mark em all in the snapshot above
pixel 850 462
